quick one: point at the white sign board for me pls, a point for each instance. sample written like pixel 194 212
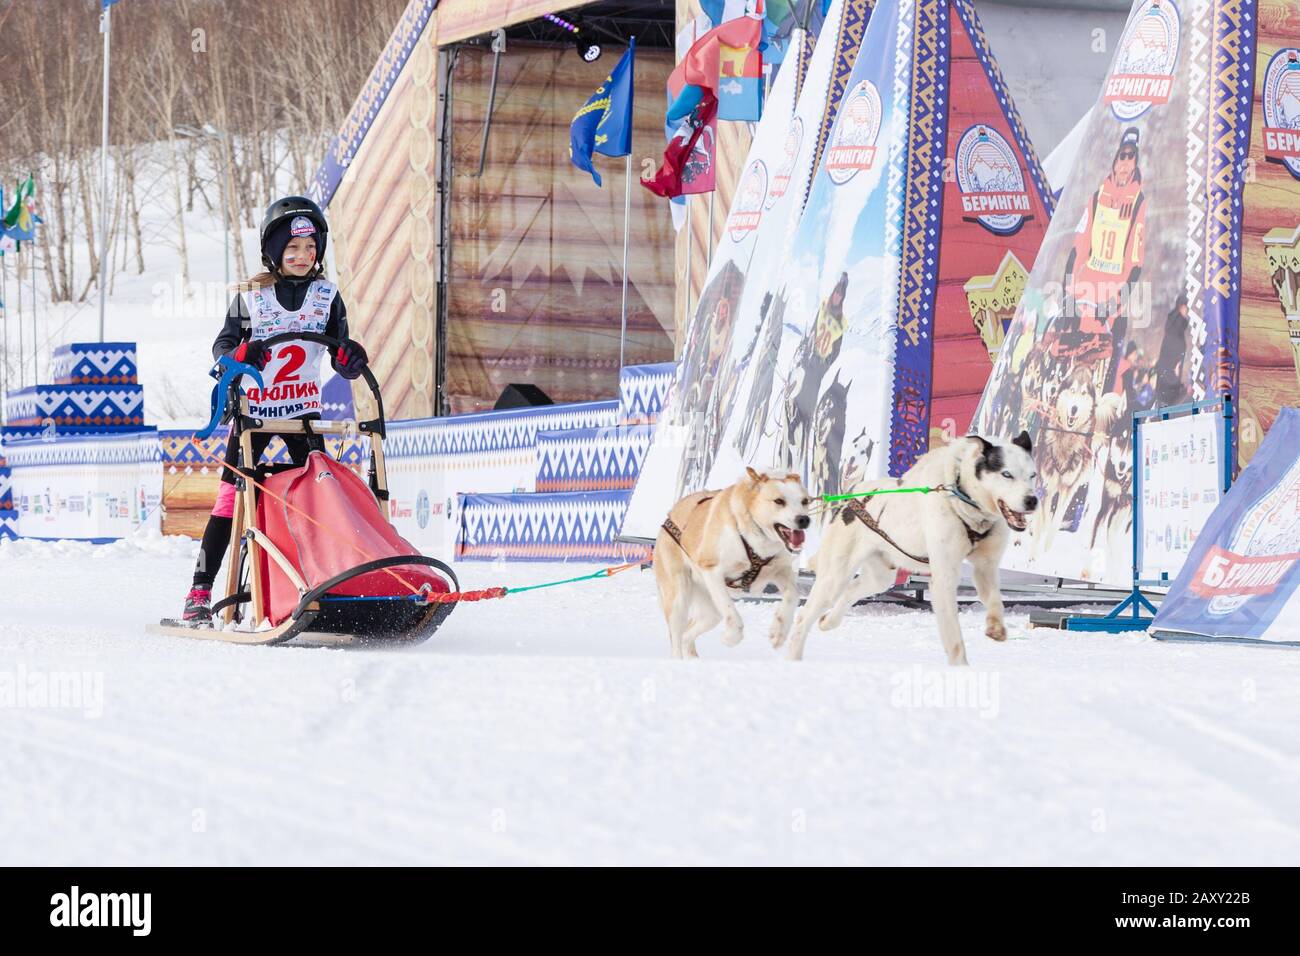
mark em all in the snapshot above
pixel 1181 481
pixel 88 488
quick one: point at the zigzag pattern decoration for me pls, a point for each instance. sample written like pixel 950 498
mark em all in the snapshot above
pixel 10 433
pixel 1232 80
pixel 642 390
pixel 894 192
pixel 95 363
pixel 378 85
pixel 492 431
pixel 180 449
pixel 136 447
pixel 8 524
pixel 922 207
pixel 1198 51
pixel 591 459
pixel 6 487
pixel 553 527
pixel 975 30
pixel 77 406
pixel 849 40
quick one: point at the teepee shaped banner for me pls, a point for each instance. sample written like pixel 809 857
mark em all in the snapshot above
pixel 872 328
pixel 1170 273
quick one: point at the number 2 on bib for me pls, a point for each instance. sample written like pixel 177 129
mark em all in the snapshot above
pixel 292 356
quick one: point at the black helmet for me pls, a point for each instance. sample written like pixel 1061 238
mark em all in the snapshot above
pixel 287 208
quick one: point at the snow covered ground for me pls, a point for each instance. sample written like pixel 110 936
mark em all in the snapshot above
pixel 550 727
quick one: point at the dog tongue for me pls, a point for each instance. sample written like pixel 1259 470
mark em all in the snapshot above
pixel 796 538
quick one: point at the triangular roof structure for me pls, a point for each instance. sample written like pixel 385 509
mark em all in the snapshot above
pixel 1170 273
pixel 522 276
pixel 857 343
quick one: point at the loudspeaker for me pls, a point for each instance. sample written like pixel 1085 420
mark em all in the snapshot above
pixel 521 395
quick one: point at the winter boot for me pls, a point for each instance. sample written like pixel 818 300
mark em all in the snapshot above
pixel 198 606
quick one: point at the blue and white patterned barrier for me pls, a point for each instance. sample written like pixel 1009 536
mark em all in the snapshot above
pixel 6 485
pixel 485 432
pixel 577 526
pixel 642 390
pixel 433 461
pixel 591 459
pixel 10 433
pixel 451 480
pixel 88 487
pixel 95 363
pixel 77 407
pixel 182 451
pixel 8 524
pixel 336 399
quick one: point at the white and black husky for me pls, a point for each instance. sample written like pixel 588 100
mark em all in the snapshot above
pixel 986 490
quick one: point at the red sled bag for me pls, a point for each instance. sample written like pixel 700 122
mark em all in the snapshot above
pixel 326 521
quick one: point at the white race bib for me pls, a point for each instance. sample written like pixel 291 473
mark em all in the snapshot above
pixel 292 373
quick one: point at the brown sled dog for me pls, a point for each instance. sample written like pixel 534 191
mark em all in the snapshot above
pixel 718 544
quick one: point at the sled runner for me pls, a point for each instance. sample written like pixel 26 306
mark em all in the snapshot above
pixel 317 561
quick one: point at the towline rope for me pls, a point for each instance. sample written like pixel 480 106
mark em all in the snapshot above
pixel 493 593
pixel 450 597
pixel 922 489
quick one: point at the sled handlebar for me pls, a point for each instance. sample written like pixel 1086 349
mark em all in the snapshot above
pixel 332 343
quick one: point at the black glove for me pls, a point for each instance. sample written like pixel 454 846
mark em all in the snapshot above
pixel 349 360
pixel 251 353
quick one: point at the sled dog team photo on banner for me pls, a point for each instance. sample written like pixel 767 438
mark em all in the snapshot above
pixel 931 285
pixel 1168 274
pixel 847 321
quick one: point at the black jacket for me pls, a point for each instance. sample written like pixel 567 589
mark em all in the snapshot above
pixel 289 293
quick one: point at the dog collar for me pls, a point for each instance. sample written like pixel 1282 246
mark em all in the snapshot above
pixel 975 536
pixel 955 490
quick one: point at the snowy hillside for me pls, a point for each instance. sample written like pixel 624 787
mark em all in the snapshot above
pixel 550 727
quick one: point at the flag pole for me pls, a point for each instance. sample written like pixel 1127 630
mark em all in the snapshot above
pixel 627 217
pixel 4 368
pixel 708 259
pixel 627 211
pixel 106 28
pixel 35 341
pixel 22 351
pixel 686 320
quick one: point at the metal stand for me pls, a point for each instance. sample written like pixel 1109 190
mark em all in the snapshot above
pixel 1116 620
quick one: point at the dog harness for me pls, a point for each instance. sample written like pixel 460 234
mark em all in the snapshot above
pixel 756 564
pixel 857 508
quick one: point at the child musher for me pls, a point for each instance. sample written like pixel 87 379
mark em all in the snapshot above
pixel 292 295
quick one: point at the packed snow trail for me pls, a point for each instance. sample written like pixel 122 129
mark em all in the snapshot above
pixel 551 727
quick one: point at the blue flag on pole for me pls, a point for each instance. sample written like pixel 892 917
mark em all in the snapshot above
pixel 604 124
pixel 105 4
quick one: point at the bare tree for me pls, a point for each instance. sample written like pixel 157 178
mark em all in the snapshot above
pixel 275 81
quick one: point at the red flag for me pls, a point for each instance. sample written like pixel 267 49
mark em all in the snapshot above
pixel 688 159
pixel 727 62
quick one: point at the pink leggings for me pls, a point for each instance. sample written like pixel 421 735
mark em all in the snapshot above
pixel 225 504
